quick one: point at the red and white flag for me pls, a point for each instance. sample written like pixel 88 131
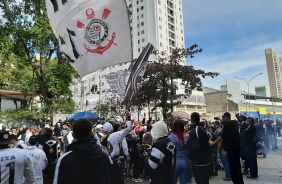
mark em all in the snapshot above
pixel 93 34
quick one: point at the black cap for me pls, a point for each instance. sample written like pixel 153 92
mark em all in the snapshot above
pixel 33 140
pixel 226 114
pixel 4 137
pixel 251 119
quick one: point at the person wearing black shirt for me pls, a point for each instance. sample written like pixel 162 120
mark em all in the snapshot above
pixel 85 162
pixel 230 136
pixel 199 150
pixel 250 147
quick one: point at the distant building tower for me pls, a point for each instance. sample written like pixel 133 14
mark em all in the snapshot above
pixel 157 21
pixel 274 70
pixel 261 91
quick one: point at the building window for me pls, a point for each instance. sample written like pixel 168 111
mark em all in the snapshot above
pixel 137 17
pixel 142 15
pixel 161 44
pixel 142 32
pixel 160 27
pixel 137 9
pixel 142 7
pixel 137 25
pixel 138 41
pixel 160 11
pixel 130 6
pixel 159 2
pixel 160 19
pixel 142 23
pixel 161 36
pixel 138 49
pixel 143 40
pixel 138 34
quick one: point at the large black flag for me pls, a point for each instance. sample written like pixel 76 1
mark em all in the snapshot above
pixel 137 72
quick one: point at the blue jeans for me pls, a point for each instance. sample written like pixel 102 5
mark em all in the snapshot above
pixel 181 170
pixel 224 160
pixel 273 141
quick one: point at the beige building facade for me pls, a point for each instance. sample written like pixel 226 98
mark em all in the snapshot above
pixel 274 70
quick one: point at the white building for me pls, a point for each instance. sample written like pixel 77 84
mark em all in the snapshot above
pixel 156 21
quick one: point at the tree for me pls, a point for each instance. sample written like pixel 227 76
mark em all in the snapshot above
pixel 25 37
pixel 159 77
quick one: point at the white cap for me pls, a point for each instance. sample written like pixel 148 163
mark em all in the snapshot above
pixel 108 127
pixel 99 126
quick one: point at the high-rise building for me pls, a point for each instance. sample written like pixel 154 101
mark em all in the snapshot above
pixel 159 22
pixel 274 70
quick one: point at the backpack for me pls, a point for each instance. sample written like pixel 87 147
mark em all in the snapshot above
pixel 147 139
pixel 52 150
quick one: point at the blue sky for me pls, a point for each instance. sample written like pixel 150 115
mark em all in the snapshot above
pixel 233 35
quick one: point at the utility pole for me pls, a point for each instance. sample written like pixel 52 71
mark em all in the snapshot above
pixel 248 84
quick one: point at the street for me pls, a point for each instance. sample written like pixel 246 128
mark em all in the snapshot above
pixel 270 170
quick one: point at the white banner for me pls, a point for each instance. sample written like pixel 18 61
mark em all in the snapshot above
pixel 93 34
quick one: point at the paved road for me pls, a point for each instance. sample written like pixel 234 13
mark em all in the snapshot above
pixel 270 170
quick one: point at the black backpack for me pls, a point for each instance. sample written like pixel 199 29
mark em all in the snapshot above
pixel 52 150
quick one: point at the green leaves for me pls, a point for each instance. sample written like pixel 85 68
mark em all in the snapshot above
pixel 159 76
pixel 26 35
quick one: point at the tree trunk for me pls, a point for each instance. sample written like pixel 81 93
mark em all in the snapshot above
pixel 171 95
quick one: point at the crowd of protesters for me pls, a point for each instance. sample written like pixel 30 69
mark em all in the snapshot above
pixel 158 152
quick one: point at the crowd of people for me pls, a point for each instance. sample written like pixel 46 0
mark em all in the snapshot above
pixel 158 152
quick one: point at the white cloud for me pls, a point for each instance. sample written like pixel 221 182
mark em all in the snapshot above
pixel 219 16
pixel 234 36
pixel 241 63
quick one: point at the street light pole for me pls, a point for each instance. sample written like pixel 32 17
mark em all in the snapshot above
pixel 248 84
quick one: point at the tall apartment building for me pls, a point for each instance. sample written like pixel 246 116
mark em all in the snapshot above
pixel 159 22
pixel 274 70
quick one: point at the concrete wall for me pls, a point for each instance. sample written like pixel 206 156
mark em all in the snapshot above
pixel 217 103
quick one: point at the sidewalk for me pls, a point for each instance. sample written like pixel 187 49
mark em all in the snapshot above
pixel 270 170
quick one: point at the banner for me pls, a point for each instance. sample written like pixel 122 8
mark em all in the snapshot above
pixel 93 34
pixel 118 81
pixel 137 73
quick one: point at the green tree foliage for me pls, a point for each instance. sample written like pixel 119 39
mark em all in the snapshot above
pixel 26 37
pixel 159 77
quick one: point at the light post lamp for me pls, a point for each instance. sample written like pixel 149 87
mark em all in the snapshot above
pixel 248 84
pixel 35 66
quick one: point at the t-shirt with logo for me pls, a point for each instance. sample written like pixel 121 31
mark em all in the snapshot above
pixel 16 165
pixel 39 161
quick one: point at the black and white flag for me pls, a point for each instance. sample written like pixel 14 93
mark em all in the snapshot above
pixel 136 74
pixel 118 81
pixel 93 34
